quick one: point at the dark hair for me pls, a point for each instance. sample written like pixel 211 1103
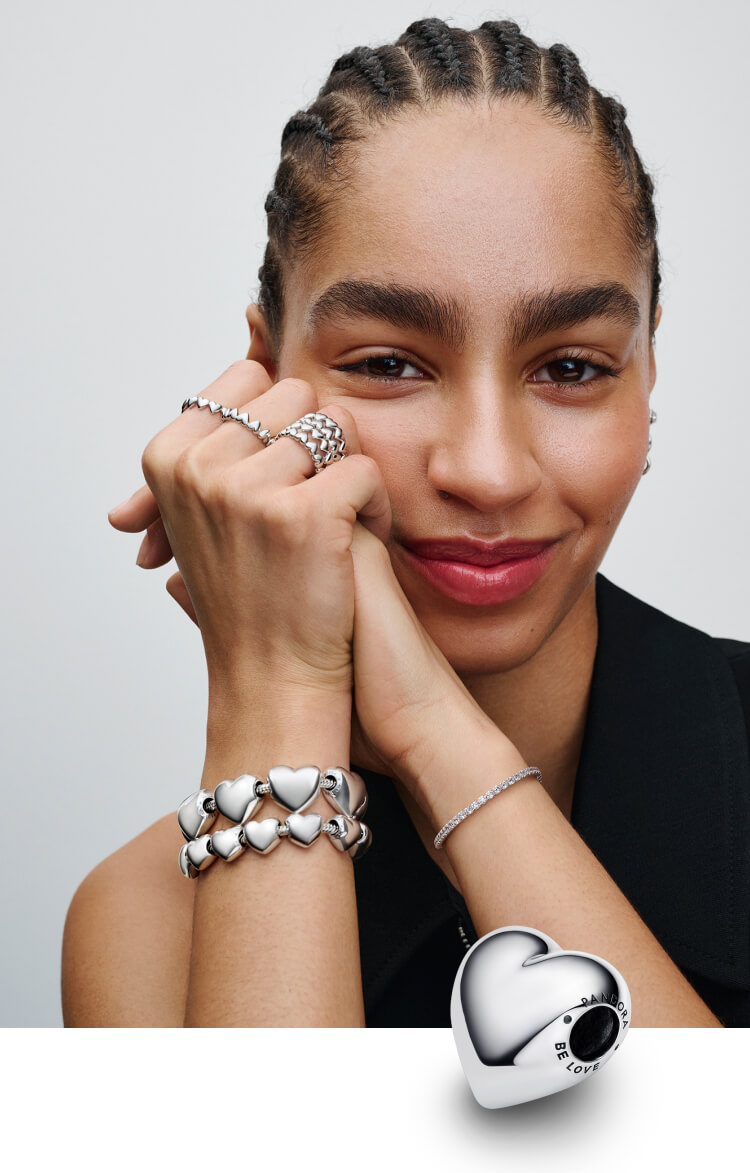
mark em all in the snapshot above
pixel 431 61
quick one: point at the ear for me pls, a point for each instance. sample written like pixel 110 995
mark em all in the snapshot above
pixel 651 356
pixel 259 350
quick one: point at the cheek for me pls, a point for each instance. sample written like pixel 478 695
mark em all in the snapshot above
pixel 595 469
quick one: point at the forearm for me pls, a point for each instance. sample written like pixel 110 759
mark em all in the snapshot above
pixel 519 861
pixel 275 938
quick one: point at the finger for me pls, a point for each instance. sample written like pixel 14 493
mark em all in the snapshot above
pixel 176 588
pixel 353 489
pixel 282 404
pixel 155 549
pixel 287 461
pixel 136 513
pixel 239 384
pixel 235 387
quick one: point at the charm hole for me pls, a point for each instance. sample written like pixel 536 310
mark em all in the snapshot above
pixel 594 1033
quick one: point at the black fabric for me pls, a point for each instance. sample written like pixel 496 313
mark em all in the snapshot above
pixel 662 798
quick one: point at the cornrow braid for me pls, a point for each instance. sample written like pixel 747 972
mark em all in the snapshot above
pixel 513 59
pixel 431 61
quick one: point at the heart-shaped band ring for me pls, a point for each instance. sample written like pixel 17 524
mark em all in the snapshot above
pixel 320 435
pixel 294 789
pixel 530 1019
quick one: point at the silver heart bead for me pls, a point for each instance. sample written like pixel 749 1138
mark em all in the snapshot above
pixel 294 789
pixel 530 1019
pixel 198 854
pixel 348 793
pixel 363 843
pixel 262 836
pixel 304 829
pixel 227 843
pixel 236 798
pixel 348 833
pixel 192 815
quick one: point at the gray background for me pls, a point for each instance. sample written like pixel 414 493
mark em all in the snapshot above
pixel 138 143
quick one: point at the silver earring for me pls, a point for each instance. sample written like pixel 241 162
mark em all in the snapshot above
pixel 652 420
pixel 530 1019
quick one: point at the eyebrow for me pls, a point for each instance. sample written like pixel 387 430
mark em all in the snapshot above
pixel 442 316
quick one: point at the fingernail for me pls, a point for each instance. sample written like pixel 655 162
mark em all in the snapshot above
pixel 142 558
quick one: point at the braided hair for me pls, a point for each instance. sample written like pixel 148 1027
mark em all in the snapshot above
pixel 430 61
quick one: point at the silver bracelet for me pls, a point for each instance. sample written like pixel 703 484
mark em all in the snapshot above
pixel 239 798
pixel 445 831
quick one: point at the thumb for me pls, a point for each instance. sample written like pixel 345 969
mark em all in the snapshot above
pixel 176 588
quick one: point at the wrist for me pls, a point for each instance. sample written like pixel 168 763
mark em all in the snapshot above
pixel 460 756
pixel 249 733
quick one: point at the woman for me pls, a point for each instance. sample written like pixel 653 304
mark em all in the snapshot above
pixel 462 274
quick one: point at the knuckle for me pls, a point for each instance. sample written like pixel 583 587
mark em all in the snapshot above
pixel 292 383
pixel 185 470
pixel 241 366
pixel 281 514
pixel 225 495
pixel 151 460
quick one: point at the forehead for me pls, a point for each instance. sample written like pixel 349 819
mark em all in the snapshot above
pixel 482 200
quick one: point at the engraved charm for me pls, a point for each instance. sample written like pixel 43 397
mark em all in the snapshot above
pixel 237 799
pixel 192 815
pixel 262 836
pixel 294 789
pixel 304 829
pixel 348 794
pixel 530 1019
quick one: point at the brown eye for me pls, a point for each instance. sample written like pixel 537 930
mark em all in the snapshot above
pixel 568 370
pixel 383 368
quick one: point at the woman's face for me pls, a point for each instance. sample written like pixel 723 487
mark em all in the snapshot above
pixel 495 419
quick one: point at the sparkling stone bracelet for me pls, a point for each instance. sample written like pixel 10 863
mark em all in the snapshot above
pixel 445 831
pixel 239 798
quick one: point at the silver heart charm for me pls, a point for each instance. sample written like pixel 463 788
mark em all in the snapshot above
pixel 304 829
pixel 363 843
pixel 237 798
pixel 348 793
pixel 227 843
pixel 530 1019
pixel 192 815
pixel 263 836
pixel 294 789
pixel 348 834
pixel 196 855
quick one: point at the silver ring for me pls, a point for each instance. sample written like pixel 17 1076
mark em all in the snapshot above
pixel 321 436
pixel 230 413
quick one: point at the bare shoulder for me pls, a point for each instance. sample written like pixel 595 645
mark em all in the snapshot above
pixel 127 935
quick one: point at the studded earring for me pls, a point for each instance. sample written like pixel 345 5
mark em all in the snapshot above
pixel 652 420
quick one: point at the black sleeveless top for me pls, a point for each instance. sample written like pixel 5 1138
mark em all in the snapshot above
pixel 662 798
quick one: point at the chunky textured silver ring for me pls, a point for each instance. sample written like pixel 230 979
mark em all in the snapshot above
pixel 229 413
pixel 530 1019
pixel 320 434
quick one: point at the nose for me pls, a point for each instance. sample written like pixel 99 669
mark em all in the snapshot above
pixel 482 449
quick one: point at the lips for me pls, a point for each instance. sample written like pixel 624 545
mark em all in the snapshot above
pixel 476 553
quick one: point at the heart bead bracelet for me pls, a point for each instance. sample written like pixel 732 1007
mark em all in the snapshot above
pixel 294 789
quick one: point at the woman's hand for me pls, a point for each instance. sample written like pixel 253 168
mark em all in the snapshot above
pixel 407 696
pixel 262 543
